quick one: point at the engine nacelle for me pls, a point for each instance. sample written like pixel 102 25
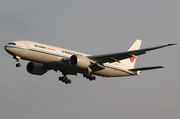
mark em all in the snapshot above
pixel 36 68
pixel 79 61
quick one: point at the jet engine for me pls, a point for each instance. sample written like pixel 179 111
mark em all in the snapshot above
pixel 79 61
pixel 36 68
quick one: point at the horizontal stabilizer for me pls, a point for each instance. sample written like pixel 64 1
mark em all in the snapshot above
pixel 146 68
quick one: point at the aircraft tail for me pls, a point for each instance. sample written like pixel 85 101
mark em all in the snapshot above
pixel 131 61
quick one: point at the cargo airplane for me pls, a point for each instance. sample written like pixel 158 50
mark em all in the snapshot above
pixel 45 57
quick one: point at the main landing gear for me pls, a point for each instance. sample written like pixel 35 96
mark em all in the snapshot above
pixel 89 76
pixel 68 81
pixel 65 80
pixel 17 58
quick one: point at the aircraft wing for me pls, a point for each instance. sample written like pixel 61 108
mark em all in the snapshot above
pixel 115 57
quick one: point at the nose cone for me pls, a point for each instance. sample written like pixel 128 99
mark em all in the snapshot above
pixel 8 49
pixel 5 47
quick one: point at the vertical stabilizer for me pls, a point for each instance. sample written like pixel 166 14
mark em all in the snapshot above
pixel 136 45
pixel 131 61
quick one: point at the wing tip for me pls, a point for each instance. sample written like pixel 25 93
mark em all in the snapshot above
pixel 172 44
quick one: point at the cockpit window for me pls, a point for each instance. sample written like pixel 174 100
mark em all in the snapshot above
pixel 11 43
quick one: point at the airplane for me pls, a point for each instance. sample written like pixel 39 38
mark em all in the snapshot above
pixel 44 58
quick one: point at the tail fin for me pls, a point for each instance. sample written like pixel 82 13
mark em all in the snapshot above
pixel 131 61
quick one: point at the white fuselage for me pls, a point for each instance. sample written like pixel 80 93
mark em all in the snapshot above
pixel 55 58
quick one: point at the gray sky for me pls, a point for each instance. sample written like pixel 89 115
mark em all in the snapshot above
pixel 93 27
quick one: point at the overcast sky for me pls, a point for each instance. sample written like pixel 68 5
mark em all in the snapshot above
pixel 93 27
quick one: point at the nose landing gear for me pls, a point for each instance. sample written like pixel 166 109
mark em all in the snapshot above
pixel 17 58
pixel 18 65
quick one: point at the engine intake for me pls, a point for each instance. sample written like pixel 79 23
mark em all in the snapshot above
pixel 79 61
pixel 36 68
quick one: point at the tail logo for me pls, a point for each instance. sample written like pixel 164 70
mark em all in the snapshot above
pixel 132 59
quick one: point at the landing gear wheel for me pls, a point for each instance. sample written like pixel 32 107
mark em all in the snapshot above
pixel 87 76
pixel 18 65
pixel 66 81
pixel 90 76
pixel 63 79
pixel 60 78
pixel 69 81
pixel 93 78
